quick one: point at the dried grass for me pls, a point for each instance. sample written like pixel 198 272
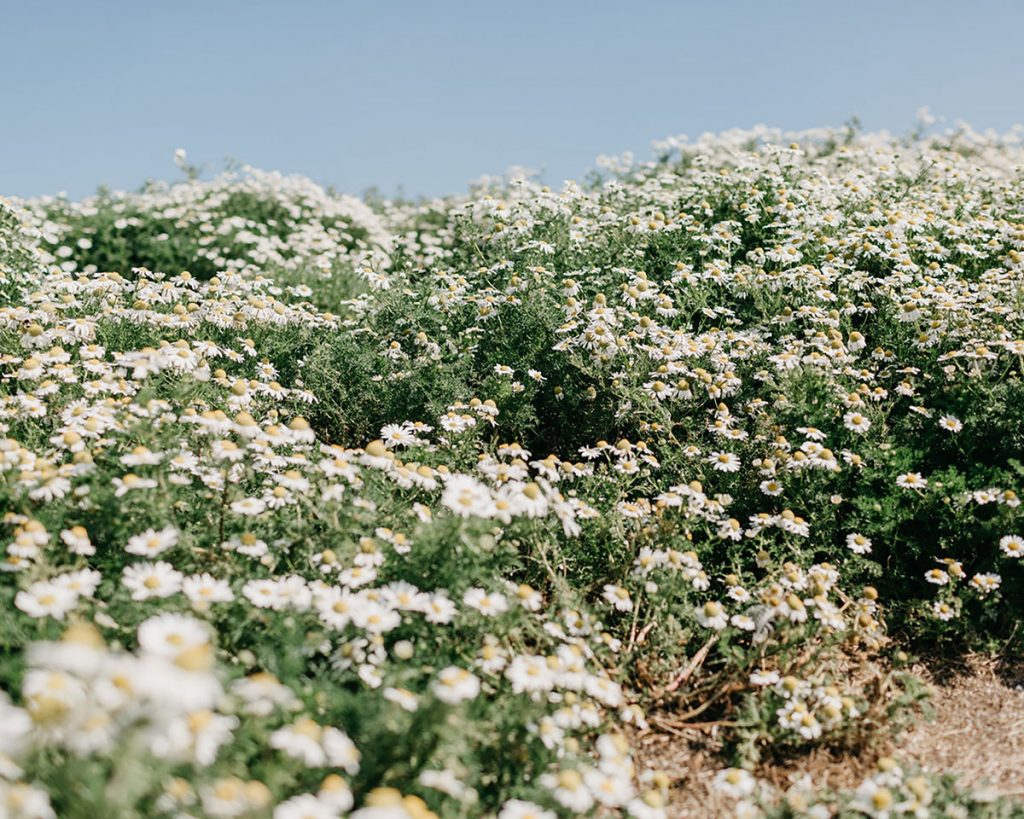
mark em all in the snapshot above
pixel 976 731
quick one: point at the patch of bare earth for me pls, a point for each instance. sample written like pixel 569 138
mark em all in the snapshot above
pixel 976 730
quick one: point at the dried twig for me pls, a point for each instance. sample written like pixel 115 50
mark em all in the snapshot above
pixel 695 662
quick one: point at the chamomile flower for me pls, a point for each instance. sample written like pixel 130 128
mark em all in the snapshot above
pixel 454 685
pixel 856 422
pixel 618 597
pixel 950 423
pixel 734 783
pixel 77 540
pixel 858 543
pixel 152 543
pixel 487 603
pixel 1012 545
pixel 43 599
pixel 520 809
pixel 724 461
pixel 149 580
pixel 912 480
pixel 712 615
pixel 316 745
pixel 204 589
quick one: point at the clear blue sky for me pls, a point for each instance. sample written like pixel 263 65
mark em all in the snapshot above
pixel 429 94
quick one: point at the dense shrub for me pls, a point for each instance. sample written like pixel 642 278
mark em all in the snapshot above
pixel 420 508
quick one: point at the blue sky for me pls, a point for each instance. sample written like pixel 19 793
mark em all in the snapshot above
pixel 425 96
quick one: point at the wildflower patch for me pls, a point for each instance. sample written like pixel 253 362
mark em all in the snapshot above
pixel 319 507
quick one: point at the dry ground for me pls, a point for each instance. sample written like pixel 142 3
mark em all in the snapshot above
pixel 979 726
pixel 977 731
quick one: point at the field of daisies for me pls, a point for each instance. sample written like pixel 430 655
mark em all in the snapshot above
pixel 316 506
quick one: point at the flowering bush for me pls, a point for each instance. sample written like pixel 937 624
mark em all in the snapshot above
pixel 313 508
pixel 247 221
